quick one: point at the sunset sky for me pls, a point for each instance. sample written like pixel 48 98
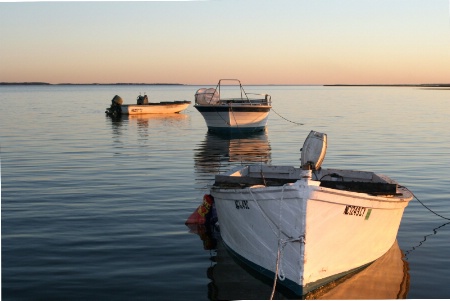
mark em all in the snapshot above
pixel 199 42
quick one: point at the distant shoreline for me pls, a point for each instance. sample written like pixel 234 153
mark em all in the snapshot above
pixel 92 84
pixel 394 85
pixel 177 84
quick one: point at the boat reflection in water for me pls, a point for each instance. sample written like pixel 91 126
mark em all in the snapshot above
pixel 218 152
pixel 147 124
pixel 146 120
pixel 153 120
pixel 385 278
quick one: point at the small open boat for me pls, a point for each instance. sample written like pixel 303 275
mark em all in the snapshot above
pixel 307 226
pixel 238 113
pixel 144 107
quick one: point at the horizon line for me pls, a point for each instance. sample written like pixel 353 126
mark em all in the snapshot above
pixel 180 84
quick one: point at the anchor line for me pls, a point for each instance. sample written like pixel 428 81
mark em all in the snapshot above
pixel 298 123
pixel 437 214
pixel 424 239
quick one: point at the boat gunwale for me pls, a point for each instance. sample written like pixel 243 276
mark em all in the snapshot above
pixel 162 103
pixel 231 181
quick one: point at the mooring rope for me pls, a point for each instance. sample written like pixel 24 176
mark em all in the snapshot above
pixel 266 217
pixel 279 251
pixel 298 123
pixel 281 242
pixel 279 273
pixel 437 214
pixel 276 272
pixel 435 232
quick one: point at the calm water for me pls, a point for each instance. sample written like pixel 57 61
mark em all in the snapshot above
pixel 93 208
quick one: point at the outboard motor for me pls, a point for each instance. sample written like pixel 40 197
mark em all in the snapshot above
pixel 313 150
pixel 115 109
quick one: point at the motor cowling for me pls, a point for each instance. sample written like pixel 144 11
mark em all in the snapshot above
pixel 115 109
pixel 117 100
pixel 313 150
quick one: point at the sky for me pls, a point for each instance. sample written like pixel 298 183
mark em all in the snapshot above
pixel 200 42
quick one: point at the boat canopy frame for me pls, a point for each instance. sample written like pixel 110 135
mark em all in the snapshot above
pixel 244 96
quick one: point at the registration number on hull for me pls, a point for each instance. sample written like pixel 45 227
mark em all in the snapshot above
pixel 358 211
pixel 354 210
pixel 241 204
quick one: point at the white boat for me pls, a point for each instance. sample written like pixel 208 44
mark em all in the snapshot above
pixel 307 226
pixel 238 113
pixel 144 107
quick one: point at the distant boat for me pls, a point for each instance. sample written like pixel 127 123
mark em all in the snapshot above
pixel 144 107
pixel 307 226
pixel 238 113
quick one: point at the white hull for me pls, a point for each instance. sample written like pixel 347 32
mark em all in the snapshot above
pixel 239 113
pixel 155 108
pixel 246 118
pixel 322 233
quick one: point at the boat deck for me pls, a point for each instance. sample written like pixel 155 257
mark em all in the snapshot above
pixel 348 180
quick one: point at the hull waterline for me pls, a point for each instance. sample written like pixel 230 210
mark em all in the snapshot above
pixel 235 119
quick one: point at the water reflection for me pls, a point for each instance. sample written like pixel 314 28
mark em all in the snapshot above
pixel 156 119
pixel 435 231
pixel 231 280
pixel 146 122
pixel 386 278
pixel 219 152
